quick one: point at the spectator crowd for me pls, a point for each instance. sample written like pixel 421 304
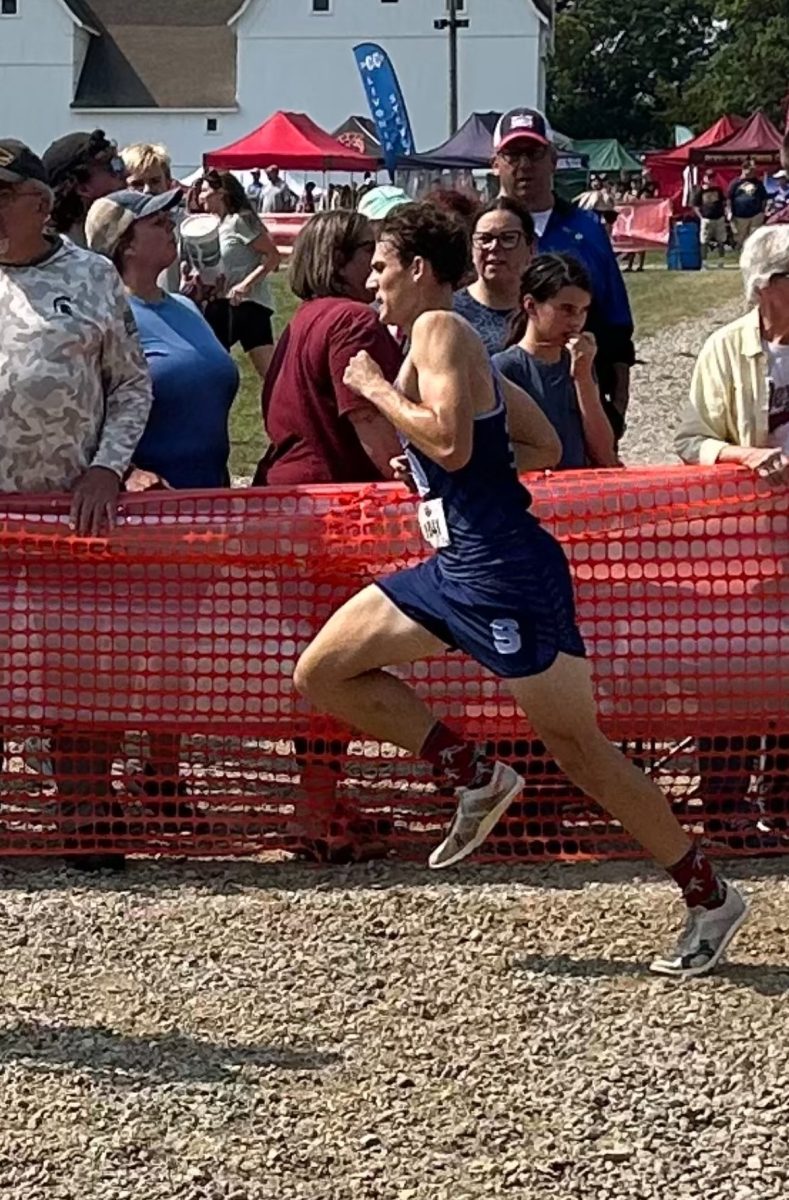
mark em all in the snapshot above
pixel 116 366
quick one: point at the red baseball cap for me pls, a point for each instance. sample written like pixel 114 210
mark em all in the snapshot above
pixel 521 124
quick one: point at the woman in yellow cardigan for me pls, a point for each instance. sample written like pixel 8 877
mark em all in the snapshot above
pixel 739 397
pixel 739 413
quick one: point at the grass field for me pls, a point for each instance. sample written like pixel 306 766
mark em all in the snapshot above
pixel 660 298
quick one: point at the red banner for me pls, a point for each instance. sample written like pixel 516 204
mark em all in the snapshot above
pixel 643 225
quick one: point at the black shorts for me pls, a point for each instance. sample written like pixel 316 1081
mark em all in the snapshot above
pixel 248 323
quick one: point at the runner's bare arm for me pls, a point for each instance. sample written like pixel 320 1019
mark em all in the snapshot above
pixel 444 357
pixel 534 440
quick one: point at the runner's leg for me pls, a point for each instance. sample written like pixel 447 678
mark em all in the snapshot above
pixel 560 706
pixel 341 671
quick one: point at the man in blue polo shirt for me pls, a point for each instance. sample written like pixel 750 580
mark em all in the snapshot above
pixel 525 162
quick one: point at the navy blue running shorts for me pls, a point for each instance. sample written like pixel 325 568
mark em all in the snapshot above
pixel 514 626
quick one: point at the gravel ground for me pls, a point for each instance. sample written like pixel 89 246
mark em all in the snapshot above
pixel 259 1031
pixel 660 384
pixel 270 1032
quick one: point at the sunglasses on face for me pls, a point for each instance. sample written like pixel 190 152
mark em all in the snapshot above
pixel 531 153
pixel 508 239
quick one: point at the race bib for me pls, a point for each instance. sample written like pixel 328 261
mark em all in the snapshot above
pixel 433 524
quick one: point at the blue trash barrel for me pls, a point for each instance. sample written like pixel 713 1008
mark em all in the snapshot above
pixel 684 246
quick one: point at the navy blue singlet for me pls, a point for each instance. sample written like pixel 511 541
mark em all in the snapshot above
pixel 485 504
pixel 500 589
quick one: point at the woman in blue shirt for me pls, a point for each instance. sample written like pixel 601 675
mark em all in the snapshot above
pixel 195 380
pixel 186 442
pixel 552 359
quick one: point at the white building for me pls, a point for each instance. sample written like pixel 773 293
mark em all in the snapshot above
pixel 197 74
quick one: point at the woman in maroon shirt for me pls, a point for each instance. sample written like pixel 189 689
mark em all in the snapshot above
pixel 323 433
pixel 320 431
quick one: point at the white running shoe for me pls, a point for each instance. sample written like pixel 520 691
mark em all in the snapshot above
pixel 478 811
pixel 704 940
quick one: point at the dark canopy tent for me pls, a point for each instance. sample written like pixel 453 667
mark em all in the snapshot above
pixel 359 134
pixel 471 148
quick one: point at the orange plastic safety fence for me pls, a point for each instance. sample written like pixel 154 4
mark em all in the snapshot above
pixel 146 702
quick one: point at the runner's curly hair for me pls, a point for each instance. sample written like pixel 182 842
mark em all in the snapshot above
pixel 424 231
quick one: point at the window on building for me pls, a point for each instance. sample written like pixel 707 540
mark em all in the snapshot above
pixel 211 124
pixel 321 6
pixel 9 8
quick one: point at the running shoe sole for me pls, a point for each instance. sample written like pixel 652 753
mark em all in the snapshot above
pixel 695 972
pixel 486 827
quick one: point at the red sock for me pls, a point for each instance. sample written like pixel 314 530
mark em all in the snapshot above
pixel 695 875
pixel 460 763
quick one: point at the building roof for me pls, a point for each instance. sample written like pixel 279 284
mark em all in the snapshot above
pixel 81 12
pixel 145 54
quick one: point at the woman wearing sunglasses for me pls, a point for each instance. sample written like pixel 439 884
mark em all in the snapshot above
pixel 502 241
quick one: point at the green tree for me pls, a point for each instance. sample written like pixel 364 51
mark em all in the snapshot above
pixel 748 68
pixel 620 68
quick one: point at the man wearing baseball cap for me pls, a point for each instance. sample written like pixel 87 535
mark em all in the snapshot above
pixel 82 167
pixel 525 162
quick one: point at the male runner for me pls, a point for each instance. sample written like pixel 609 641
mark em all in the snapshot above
pixel 498 588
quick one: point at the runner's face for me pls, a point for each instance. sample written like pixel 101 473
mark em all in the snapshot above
pixel 562 317
pixel 501 252
pixel 393 284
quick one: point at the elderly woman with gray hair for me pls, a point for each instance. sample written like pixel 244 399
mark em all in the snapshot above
pixel 739 397
pixel 739 413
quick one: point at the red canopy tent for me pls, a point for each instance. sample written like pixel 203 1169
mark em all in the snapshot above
pixel 292 141
pixel 757 139
pixel 666 166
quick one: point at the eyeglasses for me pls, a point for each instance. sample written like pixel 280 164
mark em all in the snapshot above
pixel 529 153
pixel 9 195
pixel 508 239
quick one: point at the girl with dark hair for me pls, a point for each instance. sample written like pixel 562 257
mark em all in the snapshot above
pixel 249 256
pixel 552 359
pixel 502 244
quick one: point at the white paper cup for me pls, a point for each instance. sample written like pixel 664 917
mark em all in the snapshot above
pixel 200 244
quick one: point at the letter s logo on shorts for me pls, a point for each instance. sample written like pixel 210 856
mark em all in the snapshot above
pixel 506 636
